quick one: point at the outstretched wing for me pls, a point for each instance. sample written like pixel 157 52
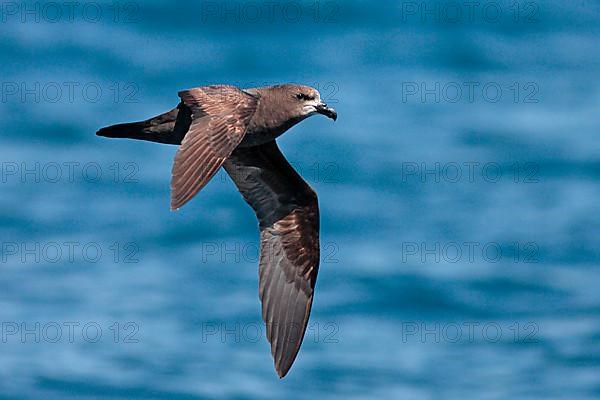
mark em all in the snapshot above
pixel 288 214
pixel 220 117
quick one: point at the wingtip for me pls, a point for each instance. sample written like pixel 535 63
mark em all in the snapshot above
pixel 177 201
pixel 177 204
pixel 281 373
pixel 283 367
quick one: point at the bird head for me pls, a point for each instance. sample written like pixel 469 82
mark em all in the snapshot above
pixel 304 101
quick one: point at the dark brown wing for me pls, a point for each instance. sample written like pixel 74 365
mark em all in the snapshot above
pixel 220 117
pixel 288 214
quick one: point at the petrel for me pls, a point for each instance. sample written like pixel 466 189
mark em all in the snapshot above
pixel 224 126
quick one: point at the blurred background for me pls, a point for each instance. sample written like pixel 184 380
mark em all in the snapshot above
pixel 459 201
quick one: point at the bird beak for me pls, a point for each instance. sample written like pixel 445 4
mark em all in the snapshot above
pixel 329 112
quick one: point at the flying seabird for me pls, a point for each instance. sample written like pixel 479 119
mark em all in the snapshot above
pixel 223 126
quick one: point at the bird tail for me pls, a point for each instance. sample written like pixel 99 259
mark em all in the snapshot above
pixel 169 128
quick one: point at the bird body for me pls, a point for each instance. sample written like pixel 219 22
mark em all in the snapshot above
pixel 223 126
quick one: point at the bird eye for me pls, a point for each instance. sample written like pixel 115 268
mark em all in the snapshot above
pixel 303 96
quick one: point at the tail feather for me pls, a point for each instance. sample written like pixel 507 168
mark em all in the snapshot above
pixel 169 128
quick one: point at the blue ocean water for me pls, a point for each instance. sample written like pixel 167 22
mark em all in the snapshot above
pixel 458 190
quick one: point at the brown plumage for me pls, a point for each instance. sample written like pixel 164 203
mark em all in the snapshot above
pixel 220 117
pixel 225 126
pixel 288 214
